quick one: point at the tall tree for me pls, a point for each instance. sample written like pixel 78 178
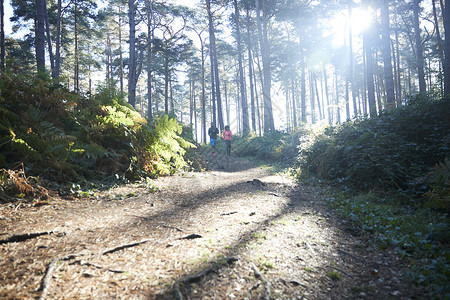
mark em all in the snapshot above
pixel 40 35
pixel 447 50
pixel 265 55
pixel 150 36
pixel 386 50
pixel 368 50
pixel 250 66
pixel 419 47
pixel 132 76
pixel 2 35
pixel 245 125
pixel 214 66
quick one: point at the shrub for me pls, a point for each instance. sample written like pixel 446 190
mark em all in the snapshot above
pixel 390 151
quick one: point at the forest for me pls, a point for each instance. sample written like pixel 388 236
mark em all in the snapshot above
pixel 338 183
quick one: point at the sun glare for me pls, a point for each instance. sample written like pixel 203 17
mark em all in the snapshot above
pixel 361 20
pixel 339 25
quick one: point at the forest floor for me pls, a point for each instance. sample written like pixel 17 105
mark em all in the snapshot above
pixel 233 232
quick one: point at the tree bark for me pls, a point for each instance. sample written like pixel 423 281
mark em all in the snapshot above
pixel 49 43
pixel 149 58
pixel 387 58
pixel 419 48
pixel 40 35
pixel 2 35
pixel 351 74
pixel 132 59
pixel 76 83
pixel 367 44
pixel 245 125
pixel 250 68
pixel 265 48
pixel 447 50
pixel 58 41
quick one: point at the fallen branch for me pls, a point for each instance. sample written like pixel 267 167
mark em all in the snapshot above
pixel 191 237
pixel 199 276
pixel 52 266
pixel 264 281
pixel 23 237
pixel 171 227
pixel 230 213
pixel 47 278
pixel 81 263
pixel 177 293
pixel 121 247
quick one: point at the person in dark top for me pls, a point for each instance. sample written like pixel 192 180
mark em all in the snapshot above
pixel 213 132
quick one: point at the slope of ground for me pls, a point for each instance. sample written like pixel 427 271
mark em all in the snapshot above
pixel 234 232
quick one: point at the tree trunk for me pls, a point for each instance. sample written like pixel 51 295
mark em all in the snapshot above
pixel 203 92
pixel 350 50
pixel 439 42
pixel 40 35
pixel 166 80
pixel 294 109
pixel 367 44
pixel 58 40
pixel 149 58
pixel 120 50
pixel 386 50
pixel 447 50
pixel 214 68
pixel 49 43
pixel 132 80
pixel 303 86
pixel 245 125
pixel 399 77
pixel 2 36
pixel 312 98
pixel 76 82
pixel 265 48
pixel 419 48
pixel 250 68
pixel 327 94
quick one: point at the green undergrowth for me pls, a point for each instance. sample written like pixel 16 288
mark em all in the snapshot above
pixel 390 176
pixel 405 150
pixel 274 148
pixel 52 134
pixel 419 235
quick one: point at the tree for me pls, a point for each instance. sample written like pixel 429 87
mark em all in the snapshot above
pixel 215 81
pixel 40 35
pixel 419 47
pixel 368 50
pixel 245 125
pixel 250 65
pixel 265 54
pixel 386 50
pixel 2 35
pixel 132 75
pixel 447 50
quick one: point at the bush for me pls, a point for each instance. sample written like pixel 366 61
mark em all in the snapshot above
pixel 273 147
pixel 390 151
pixel 67 137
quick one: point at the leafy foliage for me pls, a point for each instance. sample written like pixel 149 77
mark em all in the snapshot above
pixel 379 163
pixel 395 150
pixel 276 146
pixel 67 137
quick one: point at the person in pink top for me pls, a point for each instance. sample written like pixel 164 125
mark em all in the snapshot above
pixel 227 136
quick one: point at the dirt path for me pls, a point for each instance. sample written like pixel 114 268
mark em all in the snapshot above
pixel 213 235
